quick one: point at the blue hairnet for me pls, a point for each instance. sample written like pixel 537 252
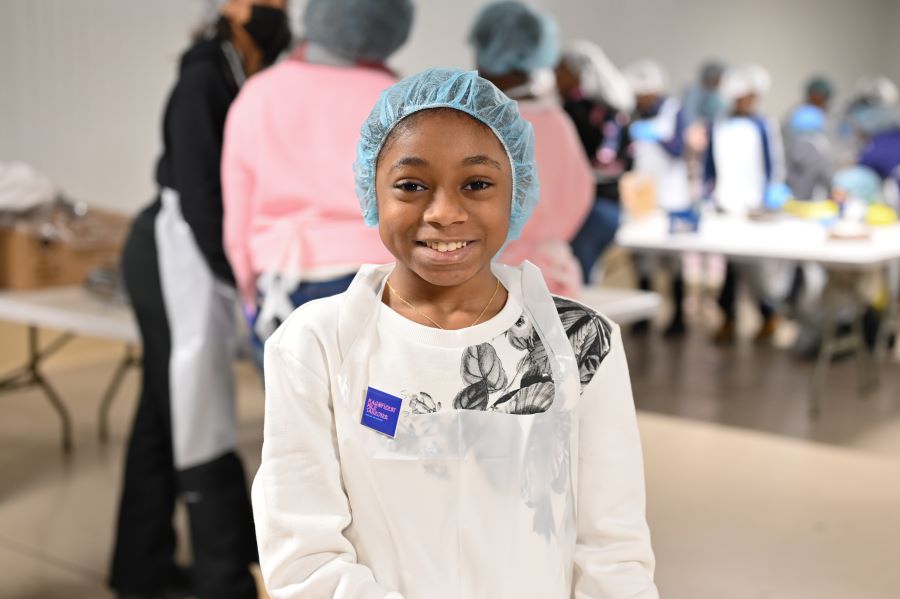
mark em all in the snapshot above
pixel 859 182
pixel 872 120
pixel 368 30
pixel 807 119
pixel 820 85
pixel 460 90
pixel 711 71
pixel 509 36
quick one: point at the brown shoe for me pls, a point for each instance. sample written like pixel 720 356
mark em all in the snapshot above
pixel 767 330
pixel 726 333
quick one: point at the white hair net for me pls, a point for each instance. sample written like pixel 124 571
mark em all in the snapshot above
pixel 600 79
pixel 738 82
pixel 877 89
pixel 460 90
pixel 646 77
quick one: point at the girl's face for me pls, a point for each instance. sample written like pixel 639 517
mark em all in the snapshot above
pixel 444 188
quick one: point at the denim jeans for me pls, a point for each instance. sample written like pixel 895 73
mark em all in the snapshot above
pixel 305 292
pixel 596 234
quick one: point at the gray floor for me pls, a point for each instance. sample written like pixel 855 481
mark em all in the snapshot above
pixel 759 387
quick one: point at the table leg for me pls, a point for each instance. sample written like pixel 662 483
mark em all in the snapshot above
pixel 889 318
pixel 35 357
pixel 826 350
pixel 60 408
pixel 842 284
pixel 867 369
pixel 127 361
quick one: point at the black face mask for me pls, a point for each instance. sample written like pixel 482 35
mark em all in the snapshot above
pixel 269 29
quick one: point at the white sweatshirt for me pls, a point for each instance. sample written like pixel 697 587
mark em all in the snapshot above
pixel 474 496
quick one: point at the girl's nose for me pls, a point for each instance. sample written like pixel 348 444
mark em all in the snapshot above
pixel 446 208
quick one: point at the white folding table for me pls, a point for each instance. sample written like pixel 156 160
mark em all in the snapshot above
pixel 622 306
pixel 791 240
pixel 74 311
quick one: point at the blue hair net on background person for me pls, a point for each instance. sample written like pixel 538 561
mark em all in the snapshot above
pixel 466 92
pixel 820 85
pixel 369 30
pixel 511 37
pixel 859 182
pixel 872 120
pixel 711 72
pixel 807 119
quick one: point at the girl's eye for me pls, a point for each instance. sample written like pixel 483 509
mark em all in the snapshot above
pixel 477 185
pixel 409 186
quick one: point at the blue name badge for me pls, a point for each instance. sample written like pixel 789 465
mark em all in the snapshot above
pixel 381 411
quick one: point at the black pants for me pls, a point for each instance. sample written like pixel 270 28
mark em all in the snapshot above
pixel 221 524
pixel 728 295
pixel 646 284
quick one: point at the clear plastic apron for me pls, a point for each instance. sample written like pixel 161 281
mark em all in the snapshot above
pixel 461 504
pixel 673 191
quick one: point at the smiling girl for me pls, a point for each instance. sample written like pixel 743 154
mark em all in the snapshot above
pixel 446 427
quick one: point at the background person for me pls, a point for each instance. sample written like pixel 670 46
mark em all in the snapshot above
pixel 809 159
pixel 292 229
pixel 516 49
pixel 598 99
pixel 745 173
pixel 657 134
pixel 182 443
pixel 702 101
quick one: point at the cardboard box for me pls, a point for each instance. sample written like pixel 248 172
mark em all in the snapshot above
pixel 33 256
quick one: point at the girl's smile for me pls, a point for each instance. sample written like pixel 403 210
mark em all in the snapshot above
pixel 445 252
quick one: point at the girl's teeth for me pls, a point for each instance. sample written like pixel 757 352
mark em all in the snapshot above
pixel 443 246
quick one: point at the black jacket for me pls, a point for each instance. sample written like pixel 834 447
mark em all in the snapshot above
pixel 592 135
pixel 193 126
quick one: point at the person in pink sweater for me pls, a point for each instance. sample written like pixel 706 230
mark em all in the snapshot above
pixel 516 49
pixel 292 229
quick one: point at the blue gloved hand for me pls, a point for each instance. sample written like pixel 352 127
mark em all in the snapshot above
pixel 777 195
pixel 644 130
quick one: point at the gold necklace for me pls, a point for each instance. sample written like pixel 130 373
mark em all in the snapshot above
pixel 433 321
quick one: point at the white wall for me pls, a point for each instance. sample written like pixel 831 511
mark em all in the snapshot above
pixel 892 54
pixel 792 38
pixel 83 82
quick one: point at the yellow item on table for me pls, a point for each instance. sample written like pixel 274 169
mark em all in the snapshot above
pixel 638 194
pixel 880 214
pixel 813 210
